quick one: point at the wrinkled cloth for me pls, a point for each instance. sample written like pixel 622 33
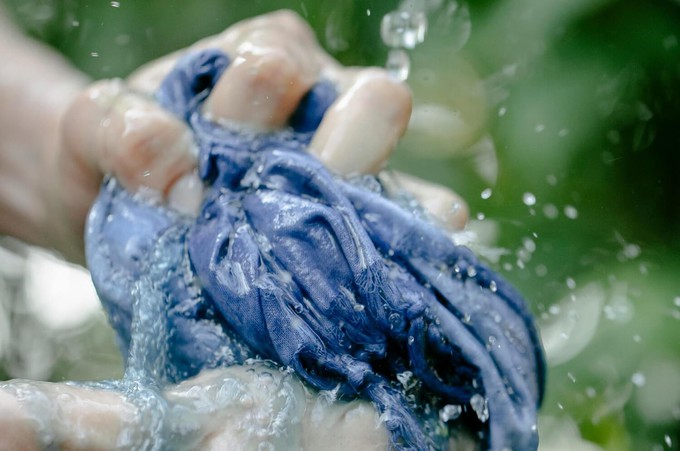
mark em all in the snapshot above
pixel 289 262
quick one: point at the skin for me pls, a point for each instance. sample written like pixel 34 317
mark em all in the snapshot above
pixel 61 135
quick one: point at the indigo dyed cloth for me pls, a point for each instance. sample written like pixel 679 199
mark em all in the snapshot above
pixel 289 262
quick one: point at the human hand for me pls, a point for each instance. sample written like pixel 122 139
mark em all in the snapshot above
pixel 115 127
pixel 235 408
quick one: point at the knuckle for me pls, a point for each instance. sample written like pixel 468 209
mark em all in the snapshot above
pixel 273 69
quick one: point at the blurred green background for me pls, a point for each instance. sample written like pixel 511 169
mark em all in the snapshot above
pixel 557 120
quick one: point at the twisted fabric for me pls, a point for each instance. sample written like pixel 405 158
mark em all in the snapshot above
pixel 289 262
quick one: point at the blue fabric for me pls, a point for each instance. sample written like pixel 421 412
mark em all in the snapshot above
pixel 289 262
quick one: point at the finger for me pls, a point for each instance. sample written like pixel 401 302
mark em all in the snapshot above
pixel 291 29
pixel 440 202
pixel 362 127
pixel 111 130
pixel 263 85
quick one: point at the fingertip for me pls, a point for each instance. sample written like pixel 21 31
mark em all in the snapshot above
pixel 261 87
pixel 363 126
pixel 440 202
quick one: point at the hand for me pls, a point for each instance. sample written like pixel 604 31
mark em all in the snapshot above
pixel 115 127
pixel 233 408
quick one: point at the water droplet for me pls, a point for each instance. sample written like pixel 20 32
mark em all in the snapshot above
pixel 454 25
pixel 591 392
pixel 562 133
pixel 368 11
pixel 501 111
pixel 359 307
pixel 570 212
pixel 479 405
pixel 550 211
pixel 480 216
pixel 398 64
pixel 529 199
pixel 450 412
pixel 94 54
pixel 411 339
pixel 471 271
pixel 638 379
pixel 486 193
pixel 676 301
pixel 403 29
pixel 571 377
pixel 667 440
pixel 115 4
pixel 571 283
pixel 492 286
pixel 540 128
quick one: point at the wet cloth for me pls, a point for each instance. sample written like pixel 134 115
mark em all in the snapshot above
pixel 289 262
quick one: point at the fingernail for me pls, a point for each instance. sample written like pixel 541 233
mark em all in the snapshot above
pixel 186 196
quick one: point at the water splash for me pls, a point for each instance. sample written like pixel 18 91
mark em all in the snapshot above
pixel 403 29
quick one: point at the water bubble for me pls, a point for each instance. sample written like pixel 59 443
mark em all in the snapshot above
pixel 562 133
pixel 529 199
pixel 571 283
pixel 550 211
pixel 94 54
pixel 571 377
pixel 480 216
pixel 359 307
pixel 529 245
pixel 398 64
pixel 501 111
pixel 115 4
pixel 450 412
pixel 676 301
pixel 591 392
pixel 479 405
pixel 486 193
pixel 638 379
pixel 471 271
pixel 403 29
pixel 570 212
pixel 492 286
pixel 541 270
pixel 368 11
pixel 540 128
pixel 667 440
pixel 411 339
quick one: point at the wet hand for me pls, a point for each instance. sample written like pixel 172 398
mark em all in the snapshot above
pixel 115 126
